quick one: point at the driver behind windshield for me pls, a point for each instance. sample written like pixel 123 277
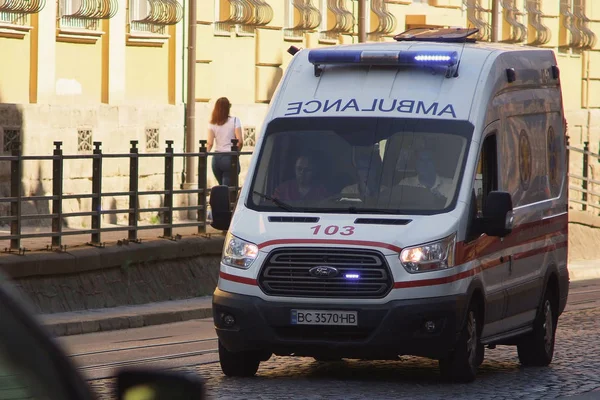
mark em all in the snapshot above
pixel 304 186
pixel 367 171
pixel 427 175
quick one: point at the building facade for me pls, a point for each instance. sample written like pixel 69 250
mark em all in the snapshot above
pixel 241 50
pixel 80 71
pixel 84 71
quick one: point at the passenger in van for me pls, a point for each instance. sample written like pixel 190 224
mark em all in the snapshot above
pixel 428 177
pixel 304 186
pixel 368 172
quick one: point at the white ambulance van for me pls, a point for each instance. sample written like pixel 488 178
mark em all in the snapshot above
pixel 404 198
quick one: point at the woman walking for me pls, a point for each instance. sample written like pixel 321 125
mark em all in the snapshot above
pixel 221 130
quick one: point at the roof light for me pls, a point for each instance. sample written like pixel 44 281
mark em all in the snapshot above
pixel 430 58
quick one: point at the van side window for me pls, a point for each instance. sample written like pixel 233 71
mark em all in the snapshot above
pixel 486 179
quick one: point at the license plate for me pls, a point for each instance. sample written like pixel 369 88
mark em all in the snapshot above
pixel 321 317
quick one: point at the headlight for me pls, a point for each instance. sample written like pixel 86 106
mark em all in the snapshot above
pixel 429 257
pixel 238 253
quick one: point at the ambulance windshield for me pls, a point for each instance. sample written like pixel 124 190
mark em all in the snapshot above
pixel 360 165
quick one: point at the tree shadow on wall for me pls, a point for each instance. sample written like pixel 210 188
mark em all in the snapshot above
pixel 27 182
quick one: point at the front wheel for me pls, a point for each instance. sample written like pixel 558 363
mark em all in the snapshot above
pixel 461 364
pixel 242 364
pixel 537 348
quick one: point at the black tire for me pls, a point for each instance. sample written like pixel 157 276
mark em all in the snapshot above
pixel 461 364
pixel 536 349
pixel 480 354
pixel 243 364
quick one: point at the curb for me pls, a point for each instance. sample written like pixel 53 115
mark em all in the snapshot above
pixel 106 320
pixel 583 270
pixel 118 323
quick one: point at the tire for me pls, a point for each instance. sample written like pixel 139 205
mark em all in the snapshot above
pixel 242 364
pixel 461 364
pixel 537 348
pixel 480 354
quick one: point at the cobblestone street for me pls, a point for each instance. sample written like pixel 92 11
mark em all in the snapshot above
pixel 575 370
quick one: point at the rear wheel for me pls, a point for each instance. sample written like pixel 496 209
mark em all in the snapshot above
pixel 461 364
pixel 537 348
pixel 242 364
pixel 480 354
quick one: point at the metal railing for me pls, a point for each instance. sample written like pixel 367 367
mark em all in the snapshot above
pixel 584 190
pixel 16 199
pixel 57 215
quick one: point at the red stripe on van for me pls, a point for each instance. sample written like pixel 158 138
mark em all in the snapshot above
pixel 525 233
pixel 237 279
pixel 436 281
pixel 534 252
pixel 471 272
pixel 365 243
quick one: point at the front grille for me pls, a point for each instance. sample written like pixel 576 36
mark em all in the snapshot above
pixel 286 273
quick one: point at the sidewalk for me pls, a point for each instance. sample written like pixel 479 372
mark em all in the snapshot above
pixel 108 319
pixel 584 269
pixel 126 317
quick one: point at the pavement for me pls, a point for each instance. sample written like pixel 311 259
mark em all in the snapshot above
pixel 125 317
pixel 191 347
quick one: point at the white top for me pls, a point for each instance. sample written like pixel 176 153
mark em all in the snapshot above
pixel 224 133
pixel 443 185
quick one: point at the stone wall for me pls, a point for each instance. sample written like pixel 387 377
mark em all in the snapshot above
pixel 584 125
pixel 92 278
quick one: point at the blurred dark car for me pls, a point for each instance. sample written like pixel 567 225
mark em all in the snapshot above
pixel 34 366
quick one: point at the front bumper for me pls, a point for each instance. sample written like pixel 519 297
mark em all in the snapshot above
pixel 384 331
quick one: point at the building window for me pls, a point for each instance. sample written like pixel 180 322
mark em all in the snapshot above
pixel 386 21
pixel 242 15
pixel 301 16
pixel 479 17
pixel 337 19
pixel 14 16
pixel 538 33
pixel 574 32
pixel 152 139
pixel 79 20
pixel 11 137
pixel 516 31
pixel 249 136
pixel 152 16
pixel 85 14
pixel 84 140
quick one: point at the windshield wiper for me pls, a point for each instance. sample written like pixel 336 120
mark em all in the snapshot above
pixel 275 201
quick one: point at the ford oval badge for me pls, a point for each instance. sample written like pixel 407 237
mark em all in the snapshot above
pixel 323 271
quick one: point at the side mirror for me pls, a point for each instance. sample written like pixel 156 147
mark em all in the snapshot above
pixel 221 210
pixel 147 384
pixel 497 214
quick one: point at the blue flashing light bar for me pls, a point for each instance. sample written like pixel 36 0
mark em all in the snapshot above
pixel 421 58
